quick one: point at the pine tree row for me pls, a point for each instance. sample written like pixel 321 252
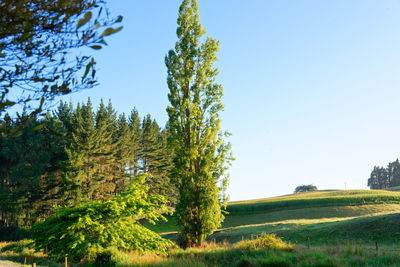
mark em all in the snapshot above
pixel 77 154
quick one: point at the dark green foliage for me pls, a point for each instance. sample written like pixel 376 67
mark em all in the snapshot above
pixel 305 188
pixel 383 178
pixel 379 178
pixel 393 171
pixel 30 176
pixel 86 229
pixel 156 159
pixel 77 154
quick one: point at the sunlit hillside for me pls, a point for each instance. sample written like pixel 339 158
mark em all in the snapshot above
pixel 323 216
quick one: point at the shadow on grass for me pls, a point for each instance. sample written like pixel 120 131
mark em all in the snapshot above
pixel 236 257
pixel 22 252
pixel 382 228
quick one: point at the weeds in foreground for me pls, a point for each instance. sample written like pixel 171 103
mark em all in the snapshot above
pixel 266 250
pixel 21 251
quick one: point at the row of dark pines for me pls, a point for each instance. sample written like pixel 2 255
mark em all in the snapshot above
pixel 77 153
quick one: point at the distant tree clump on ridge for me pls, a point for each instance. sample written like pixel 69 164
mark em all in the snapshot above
pixel 305 188
pixel 382 178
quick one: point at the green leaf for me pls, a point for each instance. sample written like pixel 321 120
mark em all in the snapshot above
pixel 119 19
pixel 110 31
pixel 96 47
pixel 8 103
pixel 102 42
pixel 84 20
pixel 38 127
pixel 88 15
pixel 86 70
pixel 81 22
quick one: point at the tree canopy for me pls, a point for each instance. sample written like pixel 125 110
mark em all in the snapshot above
pixel 382 177
pixel 78 153
pixel 86 229
pixel 39 40
pixel 305 188
pixel 201 157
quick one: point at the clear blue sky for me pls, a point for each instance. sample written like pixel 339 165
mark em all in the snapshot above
pixel 311 88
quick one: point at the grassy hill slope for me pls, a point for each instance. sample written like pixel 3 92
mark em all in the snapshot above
pixel 323 216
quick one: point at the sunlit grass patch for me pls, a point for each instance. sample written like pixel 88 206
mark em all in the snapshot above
pixel 264 241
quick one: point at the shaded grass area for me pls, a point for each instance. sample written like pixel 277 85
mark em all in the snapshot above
pixel 225 255
pixel 327 257
pixel 394 188
pixel 385 229
pixel 310 205
pixel 21 252
pixel 233 219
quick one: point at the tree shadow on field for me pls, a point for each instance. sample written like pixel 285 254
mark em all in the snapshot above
pixel 368 229
pixel 21 252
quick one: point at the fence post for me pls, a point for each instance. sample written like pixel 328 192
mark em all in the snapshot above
pixel 376 246
pixel 308 242
pixel 66 262
pixel 33 264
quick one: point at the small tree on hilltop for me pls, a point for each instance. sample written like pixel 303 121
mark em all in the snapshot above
pixel 200 155
pixel 305 188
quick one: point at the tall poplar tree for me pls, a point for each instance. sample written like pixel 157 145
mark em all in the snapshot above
pixel 200 155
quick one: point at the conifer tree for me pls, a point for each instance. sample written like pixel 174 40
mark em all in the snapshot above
pixel 76 154
pixel 156 160
pixel 134 125
pixel 123 139
pixel 200 155
pixel 393 170
pixel 81 154
pixel 105 149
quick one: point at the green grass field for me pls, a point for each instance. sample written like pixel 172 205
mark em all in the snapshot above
pixel 302 210
pixel 343 229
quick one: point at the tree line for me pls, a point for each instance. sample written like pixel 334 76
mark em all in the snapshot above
pixel 382 177
pixel 77 165
pixel 76 154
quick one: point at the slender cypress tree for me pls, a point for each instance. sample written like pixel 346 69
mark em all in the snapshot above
pixel 200 155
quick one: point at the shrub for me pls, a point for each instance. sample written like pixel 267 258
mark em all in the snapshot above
pixel 305 188
pixel 88 229
pixel 264 241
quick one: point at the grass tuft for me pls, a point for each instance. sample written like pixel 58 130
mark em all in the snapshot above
pixel 264 241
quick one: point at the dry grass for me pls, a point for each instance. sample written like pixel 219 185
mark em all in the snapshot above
pixel 264 241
